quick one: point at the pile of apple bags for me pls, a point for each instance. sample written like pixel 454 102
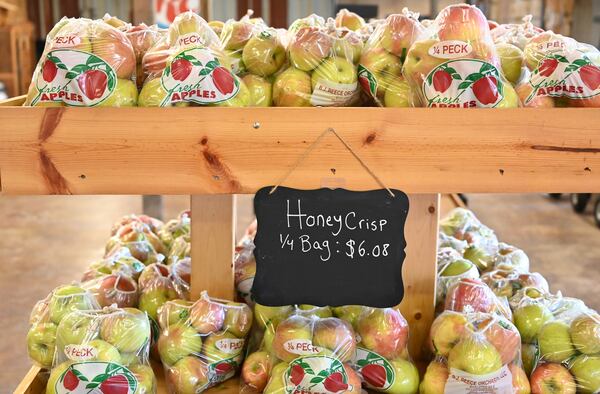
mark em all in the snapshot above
pixel 560 336
pixel 305 348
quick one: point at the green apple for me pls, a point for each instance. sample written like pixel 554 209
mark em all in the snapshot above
pixel 175 312
pixel 152 299
pixel 296 328
pixel 76 328
pixel 434 380
pixel 479 256
pixel 152 94
pixel 221 346
pixel 238 319
pixel 555 342
pixel 384 66
pixel 276 382
pixel 41 342
pixel 216 26
pixel 188 376
pixel 292 88
pixel 313 310
pixel 56 376
pixel 530 355
pixel 261 90
pixel 336 70
pixel 237 64
pixel 264 54
pixel 274 314
pixel 585 334
pixel 349 47
pixel 406 379
pixel 256 370
pixel 529 320
pixel 350 313
pixel 124 95
pixel 510 99
pixel 474 357
pixel 145 377
pixel 398 33
pixel 105 351
pixel 457 267
pixel 511 59
pixel 419 63
pixel 128 330
pixel 177 342
pixel 130 359
pixel 267 341
pixel 66 299
pixel 587 373
pixel 399 95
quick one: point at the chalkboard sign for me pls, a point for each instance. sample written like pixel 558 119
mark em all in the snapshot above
pixel 329 247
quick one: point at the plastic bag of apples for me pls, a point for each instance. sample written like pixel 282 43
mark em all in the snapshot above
pixel 201 344
pixel 323 65
pixel 474 352
pixel 458 66
pixel 85 63
pixel 47 315
pixel 483 246
pixel 451 268
pixel 380 69
pixel 189 67
pixel 118 261
pixel 472 295
pixel 564 72
pixel 104 350
pixel 311 351
pixel 142 242
pixel 174 228
pixel 244 265
pixel 159 283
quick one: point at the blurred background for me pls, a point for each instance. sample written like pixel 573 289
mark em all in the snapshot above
pixel 24 23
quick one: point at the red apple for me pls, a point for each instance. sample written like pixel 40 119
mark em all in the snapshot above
pixel 384 331
pixel 256 370
pixel 505 337
pixel 207 316
pixel 434 380
pixel 335 335
pixel 463 22
pixel 470 295
pixel 117 289
pixel 552 378
pixel 153 274
pixel 113 47
pixel 446 331
pixel 520 381
pixel 293 337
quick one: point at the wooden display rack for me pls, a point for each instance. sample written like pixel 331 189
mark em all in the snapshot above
pixel 215 153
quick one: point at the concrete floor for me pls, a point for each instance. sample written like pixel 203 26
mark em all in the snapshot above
pixel 48 241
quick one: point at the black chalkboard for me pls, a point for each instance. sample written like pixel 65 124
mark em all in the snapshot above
pixel 329 247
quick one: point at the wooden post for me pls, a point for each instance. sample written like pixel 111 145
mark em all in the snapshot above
pixel 419 269
pixel 213 242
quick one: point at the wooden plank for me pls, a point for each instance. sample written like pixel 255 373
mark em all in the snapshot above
pixel 419 269
pixel 213 243
pixel 34 382
pixel 278 13
pixel 239 150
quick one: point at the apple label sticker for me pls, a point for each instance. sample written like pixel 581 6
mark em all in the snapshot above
pixel 499 382
pixel 318 374
pixel 330 94
pixel 88 377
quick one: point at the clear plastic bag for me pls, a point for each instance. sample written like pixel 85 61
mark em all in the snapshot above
pixel 181 275
pixel 47 315
pixel 104 350
pixel 474 352
pixel 153 224
pixel 458 66
pixel 323 66
pixel 143 244
pixel 244 265
pixel 142 38
pixel 175 228
pixel 202 344
pixel 562 70
pixel 505 283
pixel 511 258
pixel 190 67
pixel 517 34
pixel 380 70
pixel 472 295
pixel 119 260
pixel 85 63
pixel 156 287
pixel 451 268
pixel 116 288
pixel 181 248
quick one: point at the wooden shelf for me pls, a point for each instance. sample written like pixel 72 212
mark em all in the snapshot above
pixel 35 382
pixel 239 150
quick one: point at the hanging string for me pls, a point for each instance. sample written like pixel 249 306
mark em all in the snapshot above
pixel 314 145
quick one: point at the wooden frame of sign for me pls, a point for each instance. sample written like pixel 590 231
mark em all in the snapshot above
pixel 215 153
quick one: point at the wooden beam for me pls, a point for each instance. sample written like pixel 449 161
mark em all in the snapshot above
pixel 239 150
pixel 213 244
pixel 278 13
pixel 69 8
pixel 242 7
pixel 419 269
